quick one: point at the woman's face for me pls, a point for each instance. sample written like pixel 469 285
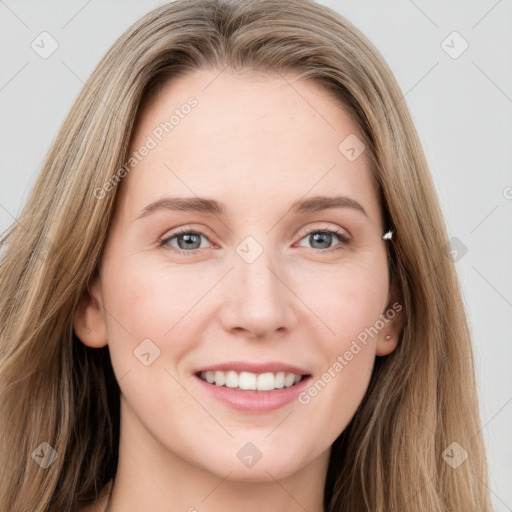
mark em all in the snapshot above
pixel 246 247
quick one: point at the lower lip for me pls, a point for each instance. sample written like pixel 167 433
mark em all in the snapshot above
pixel 252 400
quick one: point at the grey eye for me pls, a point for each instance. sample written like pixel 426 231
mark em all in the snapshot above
pixel 186 241
pixel 323 239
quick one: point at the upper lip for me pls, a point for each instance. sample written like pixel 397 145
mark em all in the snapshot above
pixel 246 366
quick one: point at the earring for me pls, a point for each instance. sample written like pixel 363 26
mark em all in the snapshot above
pixel 388 235
pixel 388 337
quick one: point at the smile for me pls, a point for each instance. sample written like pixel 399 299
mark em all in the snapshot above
pixel 267 381
pixel 251 387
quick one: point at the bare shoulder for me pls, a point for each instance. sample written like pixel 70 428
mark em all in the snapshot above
pixel 99 504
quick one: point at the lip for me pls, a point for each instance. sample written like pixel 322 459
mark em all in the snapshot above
pixel 246 366
pixel 253 401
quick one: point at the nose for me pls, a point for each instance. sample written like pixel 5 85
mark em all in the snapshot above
pixel 259 302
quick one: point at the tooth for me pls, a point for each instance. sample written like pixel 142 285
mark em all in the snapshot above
pixel 289 380
pixel 251 381
pixel 247 380
pixel 220 378
pixel 231 379
pixel 266 382
pixel 279 380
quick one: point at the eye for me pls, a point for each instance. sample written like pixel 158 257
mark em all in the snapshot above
pixel 189 242
pixel 323 238
pixel 184 241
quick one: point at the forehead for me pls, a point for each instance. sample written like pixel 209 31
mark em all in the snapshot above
pixel 245 138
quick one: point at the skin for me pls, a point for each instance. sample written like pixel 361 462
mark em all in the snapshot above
pixel 255 143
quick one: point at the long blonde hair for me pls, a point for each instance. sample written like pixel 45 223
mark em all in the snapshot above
pixel 54 390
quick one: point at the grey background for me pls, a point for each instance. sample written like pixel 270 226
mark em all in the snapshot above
pixel 462 109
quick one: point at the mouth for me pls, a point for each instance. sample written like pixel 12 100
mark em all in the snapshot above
pixel 253 387
pixel 249 381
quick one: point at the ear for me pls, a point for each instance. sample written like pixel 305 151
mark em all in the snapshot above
pixel 394 318
pixel 89 318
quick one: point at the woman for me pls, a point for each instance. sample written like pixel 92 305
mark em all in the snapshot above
pixel 258 369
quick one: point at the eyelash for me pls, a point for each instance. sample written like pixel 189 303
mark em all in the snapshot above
pixel 344 240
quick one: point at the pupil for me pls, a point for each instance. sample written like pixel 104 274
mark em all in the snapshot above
pixel 188 238
pixel 325 242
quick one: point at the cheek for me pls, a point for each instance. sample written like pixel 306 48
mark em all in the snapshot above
pixel 148 301
pixel 350 303
pixel 348 300
pixel 151 320
pixel 138 313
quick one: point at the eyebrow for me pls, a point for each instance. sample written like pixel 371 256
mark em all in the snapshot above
pixel 212 207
